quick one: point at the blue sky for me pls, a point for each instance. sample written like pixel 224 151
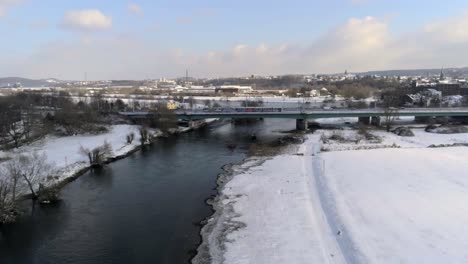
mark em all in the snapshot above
pixel 222 38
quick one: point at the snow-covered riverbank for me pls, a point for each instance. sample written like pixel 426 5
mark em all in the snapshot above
pixel 389 205
pixel 268 212
pixel 63 153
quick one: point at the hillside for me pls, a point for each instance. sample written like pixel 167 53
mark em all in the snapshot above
pixel 26 82
pixel 452 72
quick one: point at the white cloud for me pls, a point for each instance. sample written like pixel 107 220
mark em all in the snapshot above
pixel 10 2
pixel 184 19
pixel 358 2
pixel 6 4
pixel 135 9
pixel 86 20
pixel 155 26
pixel 360 44
pixel 39 25
pixel 451 30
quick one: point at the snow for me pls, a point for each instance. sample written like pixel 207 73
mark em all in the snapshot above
pixel 273 215
pixel 293 230
pixel 386 205
pixel 421 139
pixel 63 153
pixel 402 205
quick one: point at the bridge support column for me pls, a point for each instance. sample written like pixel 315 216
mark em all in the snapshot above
pixel 462 119
pixel 376 121
pixel 364 120
pixel 301 124
pixel 422 119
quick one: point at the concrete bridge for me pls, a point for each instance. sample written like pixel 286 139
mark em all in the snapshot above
pixel 366 116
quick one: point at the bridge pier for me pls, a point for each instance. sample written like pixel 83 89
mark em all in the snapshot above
pixel 301 124
pixel 423 119
pixel 462 119
pixel 365 120
pixel 376 121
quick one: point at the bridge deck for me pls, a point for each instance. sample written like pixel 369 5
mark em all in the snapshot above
pixel 312 114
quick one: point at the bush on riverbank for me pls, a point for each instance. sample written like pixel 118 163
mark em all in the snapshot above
pixel 130 137
pixel 403 132
pixel 98 155
pixel 48 195
pixel 144 135
pixel 446 129
pixel 7 205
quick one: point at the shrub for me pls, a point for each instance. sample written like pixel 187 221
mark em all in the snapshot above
pixel 144 135
pixel 98 155
pixel 130 137
pixel 324 138
pixel 337 135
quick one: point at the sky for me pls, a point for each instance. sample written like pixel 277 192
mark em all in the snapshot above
pixel 115 39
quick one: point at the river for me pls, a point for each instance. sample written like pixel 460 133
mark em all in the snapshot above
pixel 142 209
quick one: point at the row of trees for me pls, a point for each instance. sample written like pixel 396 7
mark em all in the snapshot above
pixel 27 116
pixel 17 119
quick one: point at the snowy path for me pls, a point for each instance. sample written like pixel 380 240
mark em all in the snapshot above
pixel 329 236
pixel 285 222
pixel 347 248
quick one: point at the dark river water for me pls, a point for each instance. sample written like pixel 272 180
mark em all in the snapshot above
pixel 142 209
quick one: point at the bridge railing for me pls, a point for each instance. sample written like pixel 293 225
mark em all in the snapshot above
pixel 267 110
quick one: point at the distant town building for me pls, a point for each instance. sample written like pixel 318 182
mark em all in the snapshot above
pixel 234 89
pixel 446 88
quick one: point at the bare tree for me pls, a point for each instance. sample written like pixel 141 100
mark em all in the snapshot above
pixel 464 101
pixel 13 170
pixel 98 155
pixel 256 103
pixel 7 205
pixel 28 122
pixel 28 169
pixel 15 131
pixel 390 115
pixel 130 137
pixel 356 91
pixel 120 105
pixel 34 168
pixel 144 135
pixel 390 103
pixel 207 103
pixel 191 102
pixel 163 118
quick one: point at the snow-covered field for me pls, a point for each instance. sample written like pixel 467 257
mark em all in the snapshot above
pixel 401 205
pixel 389 205
pixel 422 139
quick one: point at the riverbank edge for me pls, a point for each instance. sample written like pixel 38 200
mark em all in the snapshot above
pixel 81 171
pixel 212 241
